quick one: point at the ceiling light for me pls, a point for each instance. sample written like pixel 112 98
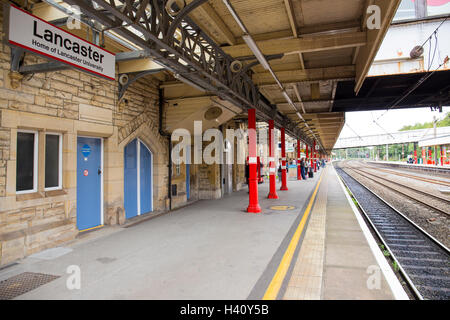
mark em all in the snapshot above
pixel 258 54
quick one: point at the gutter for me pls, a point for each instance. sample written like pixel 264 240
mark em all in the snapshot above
pixel 166 134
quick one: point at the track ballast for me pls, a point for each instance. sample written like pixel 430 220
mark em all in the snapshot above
pixel 423 261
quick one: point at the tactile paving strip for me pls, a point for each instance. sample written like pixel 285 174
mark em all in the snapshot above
pixel 22 283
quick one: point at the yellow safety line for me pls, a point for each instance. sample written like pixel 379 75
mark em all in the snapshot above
pixel 278 278
pixel 91 228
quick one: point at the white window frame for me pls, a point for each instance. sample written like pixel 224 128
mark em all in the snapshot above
pixel 35 161
pixel 60 171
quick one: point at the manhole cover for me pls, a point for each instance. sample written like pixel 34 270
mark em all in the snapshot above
pixel 282 208
pixel 22 283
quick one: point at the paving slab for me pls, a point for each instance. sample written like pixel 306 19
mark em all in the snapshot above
pixel 212 249
pixel 335 260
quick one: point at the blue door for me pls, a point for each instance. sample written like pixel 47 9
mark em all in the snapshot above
pixel 89 181
pixel 131 182
pixel 137 179
pixel 188 182
pixel 145 173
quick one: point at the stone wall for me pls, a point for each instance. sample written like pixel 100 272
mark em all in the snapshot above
pixel 72 103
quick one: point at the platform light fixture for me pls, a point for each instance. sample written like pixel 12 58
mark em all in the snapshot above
pixel 263 61
pixel 258 54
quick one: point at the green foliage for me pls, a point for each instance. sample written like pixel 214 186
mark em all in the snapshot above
pixel 442 123
pixel 396 267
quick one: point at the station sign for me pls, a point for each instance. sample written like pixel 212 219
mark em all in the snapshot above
pixel 36 35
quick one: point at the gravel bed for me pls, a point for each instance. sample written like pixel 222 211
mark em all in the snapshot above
pixel 412 171
pixel 410 182
pixel 416 195
pixel 434 223
pixel 429 270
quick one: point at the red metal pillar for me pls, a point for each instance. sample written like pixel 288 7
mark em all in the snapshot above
pixel 415 153
pixel 424 161
pixel 272 169
pixel 444 154
pixel 283 162
pixel 253 205
pixel 299 170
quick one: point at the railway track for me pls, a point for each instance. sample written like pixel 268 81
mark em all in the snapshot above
pixel 411 176
pixel 423 261
pixel 444 204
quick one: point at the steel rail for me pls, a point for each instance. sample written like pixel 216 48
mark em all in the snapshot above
pixel 430 180
pixel 405 186
pixel 403 193
pixel 405 269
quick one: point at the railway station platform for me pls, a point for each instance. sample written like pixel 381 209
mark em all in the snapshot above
pixel 308 244
pixel 426 168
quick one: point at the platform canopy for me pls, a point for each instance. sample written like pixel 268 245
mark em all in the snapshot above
pixel 322 42
pixel 311 48
pixel 395 91
pixel 439 141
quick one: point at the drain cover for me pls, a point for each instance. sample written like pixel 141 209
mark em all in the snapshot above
pixel 282 208
pixel 22 283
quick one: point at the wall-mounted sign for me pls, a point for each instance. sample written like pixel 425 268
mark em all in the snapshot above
pixel 34 34
pixel 86 150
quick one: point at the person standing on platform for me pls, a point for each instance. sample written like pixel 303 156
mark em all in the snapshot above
pixel 302 169
pixel 247 174
pixel 279 171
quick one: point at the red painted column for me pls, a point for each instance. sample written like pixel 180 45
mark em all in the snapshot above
pixel 272 168
pixel 253 205
pixel 299 170
pixel 424 160
pixel 415 154
pixel 444 154
pixel 283 162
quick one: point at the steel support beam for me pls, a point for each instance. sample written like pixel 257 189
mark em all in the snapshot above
pixel 192 54
pixel 283 161
pixel 272 167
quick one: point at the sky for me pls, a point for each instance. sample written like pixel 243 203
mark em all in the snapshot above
pixel 362 122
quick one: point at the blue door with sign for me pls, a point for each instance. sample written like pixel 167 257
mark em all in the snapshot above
pixel 137 179
pixel 89 182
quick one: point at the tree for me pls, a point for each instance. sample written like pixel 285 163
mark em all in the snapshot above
pixel 441 123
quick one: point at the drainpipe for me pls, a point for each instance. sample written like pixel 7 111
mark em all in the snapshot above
pixel 166 134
